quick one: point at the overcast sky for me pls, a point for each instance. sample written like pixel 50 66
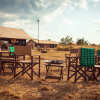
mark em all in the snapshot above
pixel 58 18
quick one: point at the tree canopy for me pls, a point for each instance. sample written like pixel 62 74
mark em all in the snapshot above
pixel 82 41
pixel 66 40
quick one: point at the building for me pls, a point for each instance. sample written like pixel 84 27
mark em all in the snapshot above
pixel 42 43
pixel 12 36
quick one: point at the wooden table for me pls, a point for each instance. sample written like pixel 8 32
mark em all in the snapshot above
pixel 54 64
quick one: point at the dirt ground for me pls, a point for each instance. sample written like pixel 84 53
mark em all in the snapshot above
pixel 47 89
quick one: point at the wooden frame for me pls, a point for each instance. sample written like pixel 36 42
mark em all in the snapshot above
pixel 22 63
pixel 50 65
pixel 76 71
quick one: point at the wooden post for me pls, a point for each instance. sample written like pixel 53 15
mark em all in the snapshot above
pixel 76 65
pixel 68 68
pixel 39 66
pixel 14 67
pixel 31 65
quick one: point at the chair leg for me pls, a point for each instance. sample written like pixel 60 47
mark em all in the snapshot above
pixel 39 66
pixel 75 75
pixel 82 74
pixel 31 72
pixel 94 76
pixel 47 69
pixel 61 73
pixel 2 67
pixel 23 68
pixel 68 73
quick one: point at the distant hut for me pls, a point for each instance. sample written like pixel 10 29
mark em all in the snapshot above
pixel 12 36
pixel 43 43
pixel 31 43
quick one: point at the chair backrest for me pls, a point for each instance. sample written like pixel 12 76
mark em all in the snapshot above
pixel 98 52
pixel 74 52
pixel 7 57
pixel 12 50
pixel 87 57
pixel 4 53
pixel 23 50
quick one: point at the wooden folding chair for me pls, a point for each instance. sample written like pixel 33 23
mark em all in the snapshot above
pixel 79 67
pixel 74 52
pixel 72 67
pixel 26 67
pixel 6 59
pixel 97 66
pixel 97 57
pixel 26 64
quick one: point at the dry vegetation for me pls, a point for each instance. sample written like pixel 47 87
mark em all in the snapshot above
pixel 75 46
pixel 51 89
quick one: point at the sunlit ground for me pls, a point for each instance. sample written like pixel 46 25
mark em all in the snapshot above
pixel 47 89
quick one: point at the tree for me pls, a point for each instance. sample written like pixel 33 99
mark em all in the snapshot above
pixel 49 39
pixel 66 40
pixel 81 41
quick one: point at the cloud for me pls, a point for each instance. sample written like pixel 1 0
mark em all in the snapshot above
pixel 35 7
pixel 96 1
pixel 41 8
pixel 11 24
pixel 13 10
pixel 18 23
pixel 7 15
pixel 83 4
pixel 68 21
pixel 97 25
pixel 50 17
pixel 14 6
pixel 97 22
pixel 20 13
pixel 59 11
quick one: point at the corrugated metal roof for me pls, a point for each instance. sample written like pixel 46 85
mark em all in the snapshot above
pixel 6 32
pixel 45 41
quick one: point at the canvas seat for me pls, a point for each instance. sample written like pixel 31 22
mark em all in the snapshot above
pixel 12 50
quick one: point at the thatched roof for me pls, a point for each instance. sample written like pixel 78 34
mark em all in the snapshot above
pixel 14 33
pixel 45 41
